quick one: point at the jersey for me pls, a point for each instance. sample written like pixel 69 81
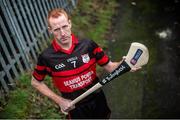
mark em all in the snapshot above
pixel 73 71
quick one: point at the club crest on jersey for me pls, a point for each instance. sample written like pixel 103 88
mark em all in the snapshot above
pixel 85 58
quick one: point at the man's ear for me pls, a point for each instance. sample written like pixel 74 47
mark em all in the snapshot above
pixel 50 30
pixel 70 23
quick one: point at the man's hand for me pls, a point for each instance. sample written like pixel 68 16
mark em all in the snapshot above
pixel 134 69
pixel 66 106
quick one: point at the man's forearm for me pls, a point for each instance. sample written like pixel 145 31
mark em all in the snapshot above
pixel 111 66
pixel 42 88
pixel 65 104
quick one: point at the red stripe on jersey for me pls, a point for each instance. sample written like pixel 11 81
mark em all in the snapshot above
pixel 42 68
pixel 103 60
pixel 76 82
pixel 75 71
pixel 48 69
pixel 97 50
pixel 38 67
pixel 74 38
pixel 38 77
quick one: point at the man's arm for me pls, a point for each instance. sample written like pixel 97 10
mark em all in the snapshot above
pixel 64 104
pixel 113 65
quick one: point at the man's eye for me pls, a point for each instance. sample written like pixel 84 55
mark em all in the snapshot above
pixel 57 29
pixel 65 26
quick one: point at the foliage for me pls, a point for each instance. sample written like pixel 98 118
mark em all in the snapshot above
pixel 25 102
pixel 93 19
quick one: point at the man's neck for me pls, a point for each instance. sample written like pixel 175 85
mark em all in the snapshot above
pixel 65 46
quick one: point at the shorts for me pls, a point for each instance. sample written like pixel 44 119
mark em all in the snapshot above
pixel 94 108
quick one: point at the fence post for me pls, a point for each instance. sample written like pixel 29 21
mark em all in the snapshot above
pixel 14 29
pixel 74 3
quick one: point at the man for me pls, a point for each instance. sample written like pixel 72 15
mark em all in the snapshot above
pixel 72 65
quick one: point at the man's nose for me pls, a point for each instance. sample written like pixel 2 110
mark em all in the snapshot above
pixel 62 32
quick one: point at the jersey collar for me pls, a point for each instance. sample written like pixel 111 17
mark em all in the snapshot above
pixel 59 48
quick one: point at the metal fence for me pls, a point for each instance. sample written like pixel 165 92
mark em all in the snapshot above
pixel 23 35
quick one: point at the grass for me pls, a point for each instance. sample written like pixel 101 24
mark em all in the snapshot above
pixel 93 19
pixel 17 101
pixel 24 102
pixel 135 26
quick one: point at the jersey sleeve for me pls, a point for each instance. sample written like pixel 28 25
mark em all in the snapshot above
pixel 101 57
pixel 40 70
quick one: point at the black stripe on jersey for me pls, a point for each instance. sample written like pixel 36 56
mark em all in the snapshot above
pixel 99 55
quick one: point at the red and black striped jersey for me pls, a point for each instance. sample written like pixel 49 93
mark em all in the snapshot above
pixel 73 70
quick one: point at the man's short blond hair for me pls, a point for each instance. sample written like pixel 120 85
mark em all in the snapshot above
pixel 55 13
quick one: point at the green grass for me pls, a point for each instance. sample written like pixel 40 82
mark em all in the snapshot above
pixel 16 106
pixel 135 26
pixel 93 20
pixel 18 100
pixel 25 102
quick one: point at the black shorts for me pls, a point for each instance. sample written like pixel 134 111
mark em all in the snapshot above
pixel 95 108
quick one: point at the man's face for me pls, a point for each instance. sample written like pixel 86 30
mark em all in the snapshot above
pixel 61 29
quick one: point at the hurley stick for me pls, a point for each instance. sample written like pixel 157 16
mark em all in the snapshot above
pixel 137 56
